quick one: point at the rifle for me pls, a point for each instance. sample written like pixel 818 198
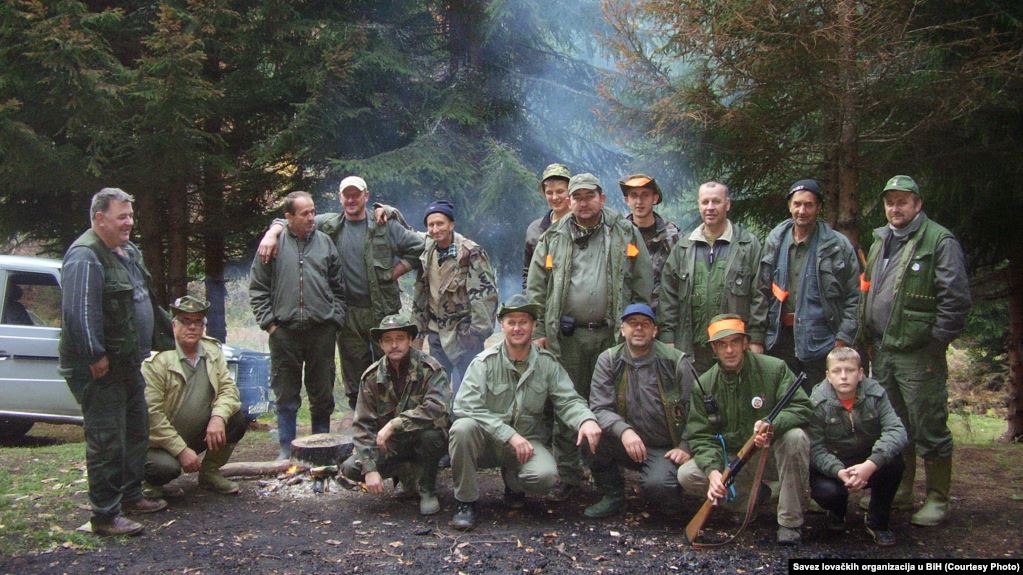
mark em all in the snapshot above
pixel 736 465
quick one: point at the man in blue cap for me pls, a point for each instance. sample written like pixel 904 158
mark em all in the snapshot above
pixel 640 395
pixel 809 278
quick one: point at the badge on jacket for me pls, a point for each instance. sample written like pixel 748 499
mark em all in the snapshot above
pixel 757 402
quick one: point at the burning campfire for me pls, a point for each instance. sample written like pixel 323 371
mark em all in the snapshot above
pixel 314 469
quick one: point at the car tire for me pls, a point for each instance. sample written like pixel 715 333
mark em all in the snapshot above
pixel 14 428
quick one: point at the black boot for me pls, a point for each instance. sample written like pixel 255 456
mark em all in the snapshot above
pixel 464 518
pixel 321 423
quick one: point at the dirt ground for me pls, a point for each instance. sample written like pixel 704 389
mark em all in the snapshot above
pixel 349 532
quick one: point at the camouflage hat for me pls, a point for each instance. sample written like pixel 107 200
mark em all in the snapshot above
pixel 584 181
pixel 189 304
pixel 724 325
pixel 555 171
pixel 394 323
pixel 901 184
pixel 518 302
pixel 640 181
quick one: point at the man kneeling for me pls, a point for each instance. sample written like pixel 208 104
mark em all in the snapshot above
pixel 401 417
pixel 502 421
pixel 193 406
pixel 856 441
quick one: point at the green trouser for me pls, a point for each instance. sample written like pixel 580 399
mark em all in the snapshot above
pixel 579 354
pixel 356 348
pixel 791 463
pixel 785 349
pixel 915 382
pixel 472 448
pixel 296 350
pixel 162 467
pixel 416 451
pixel 116 424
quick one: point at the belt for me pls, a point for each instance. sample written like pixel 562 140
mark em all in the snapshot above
pixel 593 324
pixel 788 319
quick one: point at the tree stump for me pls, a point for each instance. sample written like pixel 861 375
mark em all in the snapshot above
pixel 320 449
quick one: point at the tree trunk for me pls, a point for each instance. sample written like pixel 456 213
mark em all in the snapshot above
pixel 320 449
pixel 177 241
pixel 1015 402
pixel 848 221
pixel 150 216
pixel 214 253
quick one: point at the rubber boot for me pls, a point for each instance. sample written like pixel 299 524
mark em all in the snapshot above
pixel 428 502
pixel 209 473
pixel 935 510
pixel 286 424
pixel 321 424
pixel 904 496
pixel 612 488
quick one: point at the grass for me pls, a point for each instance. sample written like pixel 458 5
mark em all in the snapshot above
pixel 972 429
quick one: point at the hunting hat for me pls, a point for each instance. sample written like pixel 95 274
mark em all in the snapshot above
pixel 901 184
pixel 189 304
pixel 724 325
pixel 805 186
pixel 440 207
pixel 640 309
pixel 518 302
pixel 559 171
pixel 584 181
pixel 396 322
pixel 640 181
pixel 352 182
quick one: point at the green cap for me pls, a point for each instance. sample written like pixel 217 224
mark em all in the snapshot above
pixel 901 184
pixel 394 322
pixel 640 181
pixel 585 181
pixel 189 304
pixel 554 171
pixel 518 302
pixel 724 325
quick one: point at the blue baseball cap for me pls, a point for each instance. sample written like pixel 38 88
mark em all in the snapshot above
pixel 639 308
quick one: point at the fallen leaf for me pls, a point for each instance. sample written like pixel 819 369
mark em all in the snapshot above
pixel 332 542
pixel 395 544
pixel 615 534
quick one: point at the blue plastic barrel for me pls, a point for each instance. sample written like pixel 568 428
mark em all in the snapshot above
pixel 254 383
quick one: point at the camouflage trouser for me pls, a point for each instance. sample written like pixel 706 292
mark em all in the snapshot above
pixel 415 452
pixel 162 467
pixel 784 349
pixel 472 448
pixel 356 348
pixel 578 356
pixel 915 382
pixel 456 369
pixel 116 424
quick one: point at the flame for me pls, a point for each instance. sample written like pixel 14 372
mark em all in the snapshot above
pixel 292 470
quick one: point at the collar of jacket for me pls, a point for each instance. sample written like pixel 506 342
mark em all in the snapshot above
pixel 697 234
pixel 913 227
pixel 660 224
pixel 824 392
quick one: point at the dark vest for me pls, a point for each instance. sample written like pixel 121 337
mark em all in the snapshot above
pixel 669 365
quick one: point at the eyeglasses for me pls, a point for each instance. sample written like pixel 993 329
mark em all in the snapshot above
pixel 191 322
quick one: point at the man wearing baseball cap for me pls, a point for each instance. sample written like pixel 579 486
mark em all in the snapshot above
pixel 401 418
pixel 554 189
pixel 585 270
pixel 915 302
pixel 728 405
pixel 194 406
pixel 373 256
pixel 642 195
pixel 640 395
pixel 809 278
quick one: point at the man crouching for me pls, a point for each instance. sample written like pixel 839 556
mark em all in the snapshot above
pixel 401 417
pixel 502 421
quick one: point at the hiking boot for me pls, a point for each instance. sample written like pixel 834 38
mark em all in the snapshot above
pixel 562 492
pixel 464 518
pixel 144 505
pixel 210 476
pixel 607 506
pixel 834 522
pixel 150 491
pixel 788 536
pixel 513 499
pixel 117 526
pixel 935 510
pixel 882 537
pixel 428 503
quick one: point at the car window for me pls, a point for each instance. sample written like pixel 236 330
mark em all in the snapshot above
pixel 31 298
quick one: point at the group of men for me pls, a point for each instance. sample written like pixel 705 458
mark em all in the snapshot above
pixel 670 346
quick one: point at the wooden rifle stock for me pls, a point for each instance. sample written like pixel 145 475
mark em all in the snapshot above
pixel 735 466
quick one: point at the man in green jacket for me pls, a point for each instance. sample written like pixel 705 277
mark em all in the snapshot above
pixel 809 278
pixel 456 293
pixel 585 270
pixel 728 405
pixel 194 406
pixel 640 395
pixel 110 322
pixel 916 302
pixel 502 416
pixel 642 195
pixel 401 418
pixel 298 298
pixel 711 271
pixel 373 257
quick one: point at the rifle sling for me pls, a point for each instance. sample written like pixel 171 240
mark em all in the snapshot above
pixel 751 505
